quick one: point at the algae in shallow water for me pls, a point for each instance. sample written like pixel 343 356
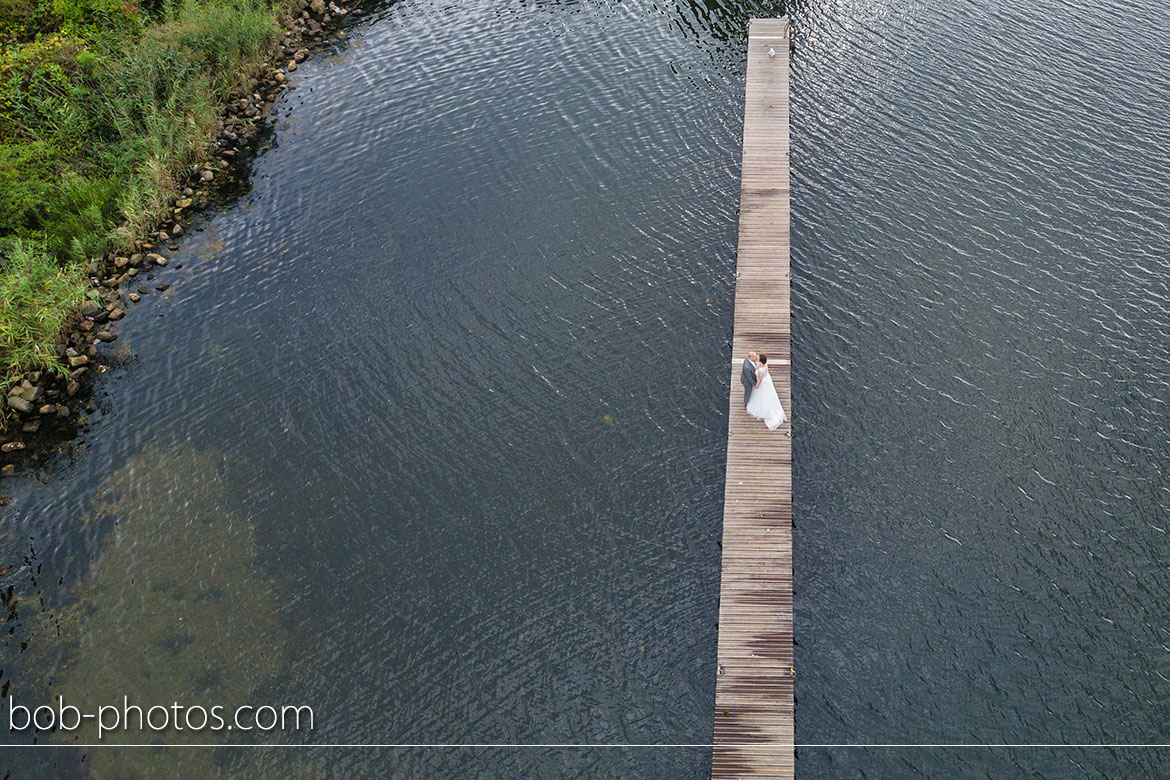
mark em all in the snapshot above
pixel 176 607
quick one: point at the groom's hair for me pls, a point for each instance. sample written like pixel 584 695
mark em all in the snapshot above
pixel 763 358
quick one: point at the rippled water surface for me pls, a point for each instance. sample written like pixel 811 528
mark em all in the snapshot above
pixel 428 432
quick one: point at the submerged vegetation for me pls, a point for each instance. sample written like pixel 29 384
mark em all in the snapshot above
pixel 176 607
pixel 105 105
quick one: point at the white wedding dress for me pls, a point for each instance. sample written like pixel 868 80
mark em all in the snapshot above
pixel 764 404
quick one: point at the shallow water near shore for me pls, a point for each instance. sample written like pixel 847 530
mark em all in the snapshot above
pixel 428 432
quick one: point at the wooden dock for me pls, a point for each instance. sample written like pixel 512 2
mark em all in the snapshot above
pixel 753 688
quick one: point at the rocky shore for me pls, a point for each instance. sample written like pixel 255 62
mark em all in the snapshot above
pixel 42 409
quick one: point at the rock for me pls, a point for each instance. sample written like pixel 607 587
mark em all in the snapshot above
pixel 77 362
pixel 317 6
pixel 182 203
pixel 32 394
pixel 86 325
pixel 188 192
pixel 72 388
pixel 177 231
pixel 12 446
pixel 292 66
pixel 301 55
pixel 157 259
pixel 134 297
pixel 106 335
pixel 136 259
pixel 162 287
pixel 48 409
pixel 206 176
pixel 314 26
pixel 90 308
pixel 163 235
pixel 279 76
pixel 8 470
pixel 62 410
pixel 117 314
pixel 19 404
pixel 121 262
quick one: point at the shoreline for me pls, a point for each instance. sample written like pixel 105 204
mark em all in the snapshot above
pixel 45 407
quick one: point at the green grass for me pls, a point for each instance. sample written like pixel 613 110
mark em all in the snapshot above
pixel 37 296
pixel 104 104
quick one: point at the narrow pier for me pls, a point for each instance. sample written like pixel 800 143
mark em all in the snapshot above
pixel 753 689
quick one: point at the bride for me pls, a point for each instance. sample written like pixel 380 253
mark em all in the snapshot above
pixel 764 404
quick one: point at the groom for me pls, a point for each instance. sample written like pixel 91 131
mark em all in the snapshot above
pixel 748 375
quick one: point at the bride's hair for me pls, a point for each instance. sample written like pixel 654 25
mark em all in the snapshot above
pixel 763 358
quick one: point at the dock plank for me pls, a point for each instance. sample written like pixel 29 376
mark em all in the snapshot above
pixel 754 731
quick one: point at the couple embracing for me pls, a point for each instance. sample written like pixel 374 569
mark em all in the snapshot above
pixel 759 394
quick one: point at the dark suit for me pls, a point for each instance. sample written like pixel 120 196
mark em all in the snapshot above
pixel 748 377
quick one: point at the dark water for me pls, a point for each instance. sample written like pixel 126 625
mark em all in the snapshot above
pixel 430 433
